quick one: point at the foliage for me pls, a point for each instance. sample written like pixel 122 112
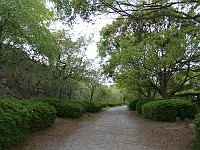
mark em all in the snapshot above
pixel 132 104
pixel 71 65
pixel 143 54
pixel 112 104
pixel 93 107
pixel 197 130
pixel 168 110
pixel 17 118
pixel 21 27
pixel 108 93
pixel 160 111
pixel 92 81
pixel 41 114
pixel 185 109
pixel 13 124
pixel 86 9
pixel 141 102
pixel 64 108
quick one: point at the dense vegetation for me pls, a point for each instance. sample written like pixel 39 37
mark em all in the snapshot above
pixel 19 117
pixel 168 110
pixel 151 51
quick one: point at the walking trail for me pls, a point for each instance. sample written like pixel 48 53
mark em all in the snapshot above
pixel 114 129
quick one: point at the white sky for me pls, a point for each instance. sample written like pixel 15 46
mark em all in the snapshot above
pixel 87 29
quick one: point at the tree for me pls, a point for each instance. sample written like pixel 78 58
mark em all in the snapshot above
pixel 71 63
pixel 92 81
pixel 162 53
pixel 134 10
pixel 24 25
pixel 25 41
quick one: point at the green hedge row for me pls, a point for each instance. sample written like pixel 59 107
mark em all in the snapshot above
pixel 41 114
pixel 65 108
pixel 71 108
pixel 93 107
pixel 17 118
pixel 168 110
pixel 141 102
pixel 197 130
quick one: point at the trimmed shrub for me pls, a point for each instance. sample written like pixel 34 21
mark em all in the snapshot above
pixel 197 130
pixel 65 108
pixel 185 109
pixel 168 110
pixel 110 104
pixel 113 104
pixel 159 111
pixel 93 107
pixel 142 102
pixel 132 104
pixel 104 104
pixel 13 124
pixel 79 104
pixel 41 114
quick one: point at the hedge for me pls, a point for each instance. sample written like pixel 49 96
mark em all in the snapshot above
pixel 17 118
pixel 13 124
pixel 142 102
pixel 197 130
pixel 110 104
pixel 41 114
pixel 93 107
pixel 66 108
pixel 114 104
pixel 132 104
pixel 168 110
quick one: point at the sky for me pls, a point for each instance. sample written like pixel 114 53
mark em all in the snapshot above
pixel 87 29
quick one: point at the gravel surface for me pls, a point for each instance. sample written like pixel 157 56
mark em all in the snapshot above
pixel 114 129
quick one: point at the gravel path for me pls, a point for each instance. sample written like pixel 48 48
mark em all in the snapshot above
pixel 114 129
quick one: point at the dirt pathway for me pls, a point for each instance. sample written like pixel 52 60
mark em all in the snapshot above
pixel 114 129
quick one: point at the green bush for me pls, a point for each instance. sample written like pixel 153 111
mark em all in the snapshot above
pixel 93 107
pixel 113 104
pixel 142 102
pixel 41 114
pixel 110 104
pixel 159 111
pixel 79 104
pixel 197 130
pixel 185 109
pixel 168 110
pixel 104 104
pixel 132 104
pixel 13 124
pixel 65 108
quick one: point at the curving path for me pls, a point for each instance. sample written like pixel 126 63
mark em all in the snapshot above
pixel 114 130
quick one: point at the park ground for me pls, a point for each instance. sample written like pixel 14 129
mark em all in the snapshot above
pixel 113 129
